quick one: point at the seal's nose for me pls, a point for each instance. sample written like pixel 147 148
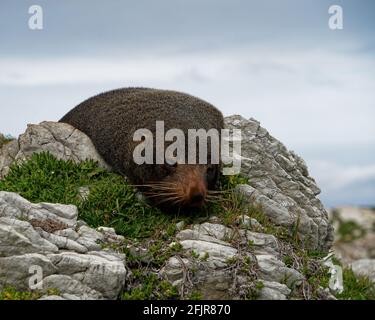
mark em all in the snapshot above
pixel 196 199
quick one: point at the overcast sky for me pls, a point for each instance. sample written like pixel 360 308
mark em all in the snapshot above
pixel 276 61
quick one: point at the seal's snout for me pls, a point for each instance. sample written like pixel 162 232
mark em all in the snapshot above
pixel 197 199
pixel 196 193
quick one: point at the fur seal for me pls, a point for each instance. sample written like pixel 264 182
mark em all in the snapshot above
pixel 110 120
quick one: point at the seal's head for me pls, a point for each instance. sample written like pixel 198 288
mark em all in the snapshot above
pixel 182 185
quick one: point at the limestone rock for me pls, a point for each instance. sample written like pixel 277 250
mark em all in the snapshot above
pixel 215 258
pixel 273 291
pixel 280 183
pixel 250 223
pixel 364 267
pixel 69 255
pixel 60 139
pixel 272 269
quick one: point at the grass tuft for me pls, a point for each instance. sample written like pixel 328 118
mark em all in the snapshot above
pixel 111 201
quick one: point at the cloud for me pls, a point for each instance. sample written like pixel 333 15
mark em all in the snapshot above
pixel 304 97
pixel 344 184
pixel 334 176
pixel 298 68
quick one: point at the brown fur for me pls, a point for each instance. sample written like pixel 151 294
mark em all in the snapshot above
pixel 111 118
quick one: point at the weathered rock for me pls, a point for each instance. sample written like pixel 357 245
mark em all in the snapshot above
pixel 280 183
pixel 16 271
pixel 364 267
pixel 14 206
pixel 272 269
pixel 19 237
pixel 53 297
pixel 273 291
pixel 217 250
pixel 215 230
pixel 250 223
pixel 60 139
pixel 180 225
pixel 71 259
pixel 261 242
pixel 70 286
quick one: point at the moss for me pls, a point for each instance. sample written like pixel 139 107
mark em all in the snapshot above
pixel 205 256
pixel 10 293
pixel 195 296
pixel 259 285
pixel 194 254
pixel 150 286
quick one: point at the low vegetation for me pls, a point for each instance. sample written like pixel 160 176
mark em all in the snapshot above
pixel 112 202
pixel 356 287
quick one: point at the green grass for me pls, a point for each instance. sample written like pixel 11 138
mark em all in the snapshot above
pixel 356 287
pixel 111 201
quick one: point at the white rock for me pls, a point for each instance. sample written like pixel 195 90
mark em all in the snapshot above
pixel 14 206
pixel 215 230
pixel 62 242
pixel 218 254
pixel 273 291
pixel 272 269
pixel 261 239
pixel 53 297
pixel 15 271
pixel 18 237
pixel 180 225
pixel 280 183
pixel 64 256
pixel 364 267
pixel 68 285
pixel 68 233
pixel 247 222
pixel 60 139
pixel 189 234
